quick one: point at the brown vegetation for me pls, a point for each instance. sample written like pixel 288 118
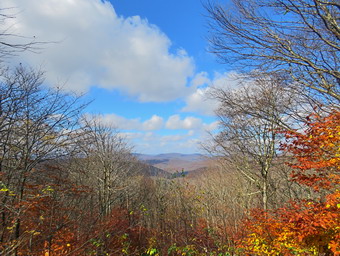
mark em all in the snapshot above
pixel 71 186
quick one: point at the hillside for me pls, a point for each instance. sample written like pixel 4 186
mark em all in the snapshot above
pixel 175 162
pixel 152 171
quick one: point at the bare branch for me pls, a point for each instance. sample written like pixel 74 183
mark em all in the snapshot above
pixel 299 37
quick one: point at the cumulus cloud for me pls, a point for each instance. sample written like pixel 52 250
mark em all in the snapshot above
pixel 155 135
pixel 122 123
pixel 211 127
pixel 200 101
pixel 175 122
pixel 156 123
pixel 97 47
pixel 156 144
pixel 189 123
pixel 200 79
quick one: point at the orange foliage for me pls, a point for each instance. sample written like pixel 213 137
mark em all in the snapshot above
pixel 317 151
pixel 116 234
pixel 46 225
pixel 304 228
pixel 307 227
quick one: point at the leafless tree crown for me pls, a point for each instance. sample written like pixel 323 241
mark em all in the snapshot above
pixel 295 37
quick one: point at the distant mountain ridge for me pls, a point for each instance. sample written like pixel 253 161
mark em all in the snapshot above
pixel 174 162
pixel 152 171
pixel 168 156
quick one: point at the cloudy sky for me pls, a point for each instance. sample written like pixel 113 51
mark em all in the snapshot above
pixel 144 63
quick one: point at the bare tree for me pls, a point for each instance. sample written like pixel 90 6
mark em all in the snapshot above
pixel 295 37
pixel 10 42
pixel 109 163
pixel 225 200
pixel 36 125
pixel 249 120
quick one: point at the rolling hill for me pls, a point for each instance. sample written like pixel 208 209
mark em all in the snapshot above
pixel 175 162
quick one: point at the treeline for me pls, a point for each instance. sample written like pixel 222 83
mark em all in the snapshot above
pixel 71 185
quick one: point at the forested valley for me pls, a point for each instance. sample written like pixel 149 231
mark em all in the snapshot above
pixel 72 186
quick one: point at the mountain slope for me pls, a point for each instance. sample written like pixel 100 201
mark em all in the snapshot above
pixel 175 162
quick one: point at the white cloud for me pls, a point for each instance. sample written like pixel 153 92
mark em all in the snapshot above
pixel 131 135
pixel 191 132
pixel 194 125
pixel 173 138
pixel 175 122
pixel 211 127
pixel 122 123
pixel 154 123
pixel 154 135
pixel 119 122
pixel 200 100
pixel 200 79
pixel 228 80
pixel 156 144
pixel 97 47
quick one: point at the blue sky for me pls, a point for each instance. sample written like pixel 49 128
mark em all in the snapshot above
pixel 144 63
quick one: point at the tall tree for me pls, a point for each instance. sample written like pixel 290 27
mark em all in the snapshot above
pixel 295 37
pixel 36 125
pixel 110 163
pixel 249 118
pixel 309 226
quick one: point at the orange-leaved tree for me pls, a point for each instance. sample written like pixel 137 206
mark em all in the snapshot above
pixel 317 152
pixel 308 226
